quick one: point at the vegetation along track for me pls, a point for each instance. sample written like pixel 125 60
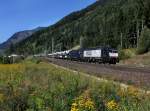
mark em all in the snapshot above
pixel 130 75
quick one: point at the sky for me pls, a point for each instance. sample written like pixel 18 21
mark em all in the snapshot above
pixel 19 15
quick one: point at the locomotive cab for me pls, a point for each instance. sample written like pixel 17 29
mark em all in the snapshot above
pixel 114 56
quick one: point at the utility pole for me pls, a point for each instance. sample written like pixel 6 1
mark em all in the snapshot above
pixel 81 41
pixel 138 33
pixel 13 59
pixel 3 59
pixel 34 50
pixel 52 44
pixel 142 24
pixel 60 48
pixel 45 52
pixel 121 40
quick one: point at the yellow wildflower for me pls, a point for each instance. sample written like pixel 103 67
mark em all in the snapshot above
pixel 112 105
pixel 83 102
pixel 74 105
pixel 132 91
pixel 121 93
pixel 89 104
pixel 74 109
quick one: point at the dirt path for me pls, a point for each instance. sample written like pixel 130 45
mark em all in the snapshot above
pixel 130 75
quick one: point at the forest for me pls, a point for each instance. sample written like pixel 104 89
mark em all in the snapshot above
pixel 115 23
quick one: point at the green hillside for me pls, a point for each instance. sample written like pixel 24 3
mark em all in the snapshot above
pixel 106 22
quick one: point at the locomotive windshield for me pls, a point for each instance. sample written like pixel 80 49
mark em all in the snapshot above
pixel 113 51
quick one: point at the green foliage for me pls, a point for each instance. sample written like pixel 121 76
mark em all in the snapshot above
pixel 32 60
pixel 10 60
pixel 5 60
pixel 99 24
pixel 1 59
pixel 45 87
pixel 38 87
pixel 144 42
pixel 126 53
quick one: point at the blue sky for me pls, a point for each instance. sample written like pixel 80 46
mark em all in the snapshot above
pixel 18 15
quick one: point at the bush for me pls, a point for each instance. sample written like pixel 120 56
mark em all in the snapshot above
pixel 144 41
pixel 1 59
pixel 36 60
pixel 127 53
pixel 33 60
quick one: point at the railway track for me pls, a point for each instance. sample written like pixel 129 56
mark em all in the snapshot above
pixel 139 76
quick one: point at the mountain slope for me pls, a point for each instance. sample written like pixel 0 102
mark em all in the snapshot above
pixel 101 23
pixel 18 37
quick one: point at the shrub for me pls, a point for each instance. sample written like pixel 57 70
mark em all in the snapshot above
pixel 144 41
pixel 33 60
pixel 127 53
pixel 1 59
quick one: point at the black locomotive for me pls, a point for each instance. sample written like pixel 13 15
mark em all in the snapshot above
pixel 92 55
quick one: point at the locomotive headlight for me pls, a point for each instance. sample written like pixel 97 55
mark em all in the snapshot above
pixel 113 54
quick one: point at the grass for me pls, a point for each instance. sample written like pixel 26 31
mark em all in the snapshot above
pixel 41 86
pixel 131 57
pixel 138 60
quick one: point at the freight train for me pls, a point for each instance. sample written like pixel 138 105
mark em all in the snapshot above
pixel 92 55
